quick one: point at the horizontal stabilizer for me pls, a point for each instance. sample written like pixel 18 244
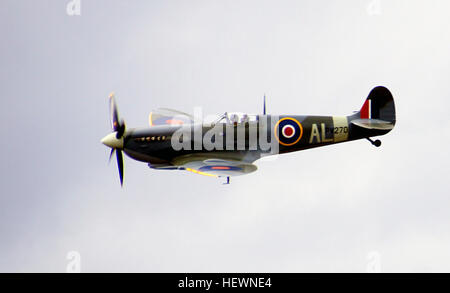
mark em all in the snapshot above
pixel 373 124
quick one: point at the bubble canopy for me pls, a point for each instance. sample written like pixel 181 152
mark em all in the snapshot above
pixel 237 118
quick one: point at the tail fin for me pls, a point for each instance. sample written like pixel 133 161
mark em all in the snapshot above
pixel 379 105
pixel 378 111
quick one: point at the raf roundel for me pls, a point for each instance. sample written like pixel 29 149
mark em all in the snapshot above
pixel 288 131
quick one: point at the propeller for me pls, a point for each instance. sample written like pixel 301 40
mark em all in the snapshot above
pixel 115 140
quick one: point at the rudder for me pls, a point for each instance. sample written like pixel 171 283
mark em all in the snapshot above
pixel 379 105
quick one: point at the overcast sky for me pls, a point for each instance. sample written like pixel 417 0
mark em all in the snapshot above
pixel 323 210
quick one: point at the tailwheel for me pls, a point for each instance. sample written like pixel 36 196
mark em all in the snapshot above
pixel 376 143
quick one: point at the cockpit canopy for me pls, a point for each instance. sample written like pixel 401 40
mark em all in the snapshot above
pixel 164 116
pixel 237 118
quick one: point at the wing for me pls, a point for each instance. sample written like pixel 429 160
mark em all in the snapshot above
pixel 165 116
pixel 214 165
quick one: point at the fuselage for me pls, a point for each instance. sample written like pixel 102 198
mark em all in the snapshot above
pixel 290 133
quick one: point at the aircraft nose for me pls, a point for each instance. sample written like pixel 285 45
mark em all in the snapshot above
pixel 111 141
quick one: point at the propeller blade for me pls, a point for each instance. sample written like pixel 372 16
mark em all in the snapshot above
pixel 115 123
pixel 111 154
pixel 120 165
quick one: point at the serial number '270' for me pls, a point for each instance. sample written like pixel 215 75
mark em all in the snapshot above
pixel 340 129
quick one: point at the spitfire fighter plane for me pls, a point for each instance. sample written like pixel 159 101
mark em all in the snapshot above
pixel 231 144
